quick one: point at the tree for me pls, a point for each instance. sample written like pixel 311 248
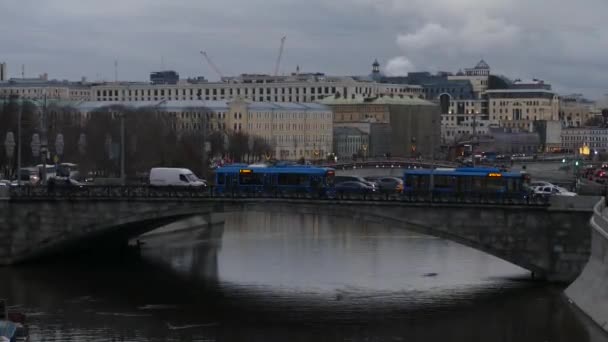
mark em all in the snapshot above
pixel 238 146
pixel 216 141
pixel 261 149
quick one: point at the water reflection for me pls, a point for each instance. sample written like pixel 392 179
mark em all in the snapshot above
pixel 268 277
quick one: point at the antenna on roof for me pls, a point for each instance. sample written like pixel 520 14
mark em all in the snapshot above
pixel 116 71
pixel 23 71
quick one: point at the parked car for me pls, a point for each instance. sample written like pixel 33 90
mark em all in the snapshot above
pixel 354 187
pixel 166 176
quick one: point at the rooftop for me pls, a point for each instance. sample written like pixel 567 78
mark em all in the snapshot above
pixel 210 105
pixel 382 99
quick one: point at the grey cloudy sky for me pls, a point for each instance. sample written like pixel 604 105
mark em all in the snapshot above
pixel 563 42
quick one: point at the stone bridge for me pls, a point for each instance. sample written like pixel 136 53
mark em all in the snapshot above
pixel 551 241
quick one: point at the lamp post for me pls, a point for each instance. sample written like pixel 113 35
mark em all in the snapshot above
pixel 43 140
pixel 19 115
pixel 9 145
pixel 59 145
pixel 122 149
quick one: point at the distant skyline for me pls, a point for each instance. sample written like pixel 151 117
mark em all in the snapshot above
pixel 562 42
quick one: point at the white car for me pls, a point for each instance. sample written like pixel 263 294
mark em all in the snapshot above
pixel 536 184
pixel 552 191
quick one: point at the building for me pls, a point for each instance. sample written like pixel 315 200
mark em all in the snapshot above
pixel 164 77
pixel 575 110
pixel 3 75
pixel 378 133
pixel 464 120
pixel 530 84
pixel 293 130
pixel 550 133
pixel 256 88
pixel 478 76
pixel 412 125
pixel 349 141
pixel 41 87
pixel 596 138
pixel 510 141
pixel 520 108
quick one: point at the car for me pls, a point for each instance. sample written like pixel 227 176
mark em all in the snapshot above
pixel 168 176
pixel 354 187
pixel 390 184
pixel 535 184
pixel 552 191
pixel 341 179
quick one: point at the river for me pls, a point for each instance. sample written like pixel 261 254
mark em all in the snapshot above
pixel 271 277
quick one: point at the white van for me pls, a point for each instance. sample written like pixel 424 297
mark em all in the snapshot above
pixel 168 176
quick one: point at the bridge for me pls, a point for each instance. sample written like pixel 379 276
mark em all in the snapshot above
pixel 548 240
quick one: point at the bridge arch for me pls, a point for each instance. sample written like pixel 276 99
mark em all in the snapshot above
pixel 134 225
pixel 523 236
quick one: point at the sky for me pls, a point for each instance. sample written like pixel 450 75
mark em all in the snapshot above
pixel 563 42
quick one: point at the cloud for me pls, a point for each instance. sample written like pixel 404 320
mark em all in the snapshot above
pixel 399 66
pixel 563 42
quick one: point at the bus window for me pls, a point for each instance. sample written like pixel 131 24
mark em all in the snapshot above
pixel 477 183
pixel 423 182
pixel 221 179
pixel 443 182
pixel 495 184
pixel 251 178
pixel 293 179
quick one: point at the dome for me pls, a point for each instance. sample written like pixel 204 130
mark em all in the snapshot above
pixel 482 65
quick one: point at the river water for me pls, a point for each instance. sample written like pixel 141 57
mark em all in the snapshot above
pixel 271 277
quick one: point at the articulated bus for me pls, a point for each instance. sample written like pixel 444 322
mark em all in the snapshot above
pixel 275 179
pixel 465 180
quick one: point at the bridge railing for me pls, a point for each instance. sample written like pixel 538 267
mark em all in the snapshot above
pixel 393 163
pixel 148 192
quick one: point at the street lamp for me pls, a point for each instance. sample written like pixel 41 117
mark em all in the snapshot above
pixel 9 145
pixel 59 145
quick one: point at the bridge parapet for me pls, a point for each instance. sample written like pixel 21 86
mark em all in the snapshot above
pixel 96 193
pixel 590 291
pixel 393 163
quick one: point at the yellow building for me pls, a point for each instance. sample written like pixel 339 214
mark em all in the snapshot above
pixel 520 108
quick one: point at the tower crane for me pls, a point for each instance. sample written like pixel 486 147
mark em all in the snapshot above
pixel 276 67
pixel 212 65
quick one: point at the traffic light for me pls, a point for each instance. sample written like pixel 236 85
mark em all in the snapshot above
pixel 576 163
pixel 564 160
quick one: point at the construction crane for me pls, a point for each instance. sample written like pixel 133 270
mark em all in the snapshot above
pixel 276 67
pixel 217 71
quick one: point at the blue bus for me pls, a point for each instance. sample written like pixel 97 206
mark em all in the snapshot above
pixel 280 179
pixel 466 180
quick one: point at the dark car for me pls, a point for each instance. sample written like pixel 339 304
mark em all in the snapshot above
pixel 354 187
pixel 390 184
pixel 342 179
